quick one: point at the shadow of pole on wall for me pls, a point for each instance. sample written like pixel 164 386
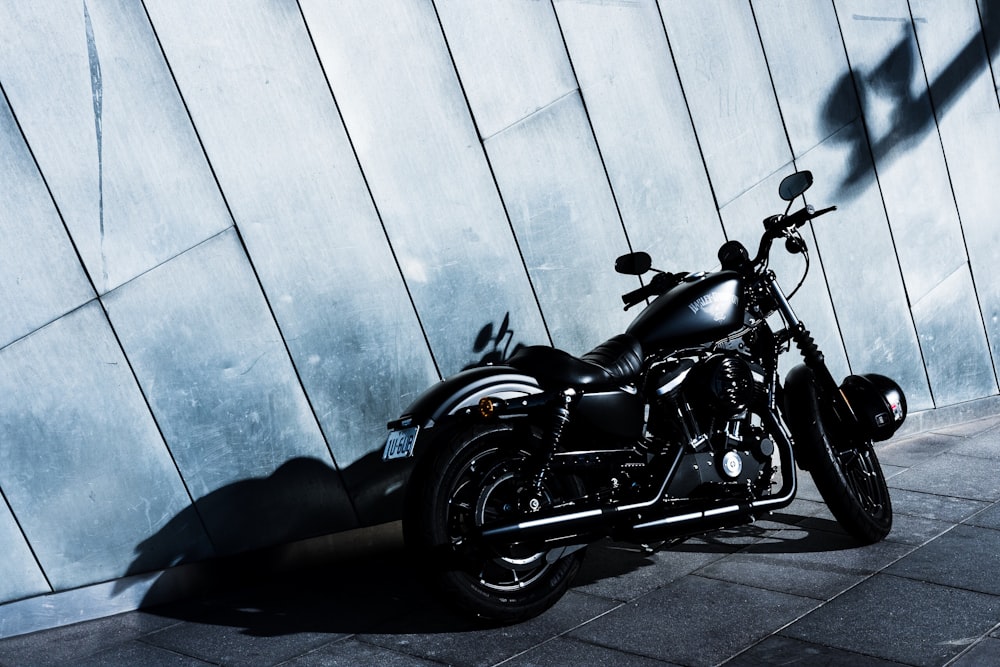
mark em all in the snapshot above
pixel 898 91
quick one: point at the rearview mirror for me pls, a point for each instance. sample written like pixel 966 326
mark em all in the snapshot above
pixel 795 184
pixel 634 263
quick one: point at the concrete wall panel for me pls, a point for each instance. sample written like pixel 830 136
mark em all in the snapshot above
pixel 82 464
pixel 224 392
pixel 109 132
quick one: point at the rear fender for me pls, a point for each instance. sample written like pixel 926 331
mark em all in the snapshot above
pixel 455 395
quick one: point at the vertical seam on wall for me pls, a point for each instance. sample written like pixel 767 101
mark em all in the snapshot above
pixel 791 150
pixel 489 165
pixel 770 78
pixel 371 196
pixel 892 237
pixel 694 129
pixel 593 133
pixel 96 297
pixel 986 45
pixel 253 268
pixel 951 186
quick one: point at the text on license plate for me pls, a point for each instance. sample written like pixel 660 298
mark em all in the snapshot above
pixel 399 444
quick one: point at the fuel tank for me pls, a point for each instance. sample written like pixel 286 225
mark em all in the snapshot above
pixel 702 308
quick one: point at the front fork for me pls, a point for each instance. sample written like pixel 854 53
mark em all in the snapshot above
pixel 827 386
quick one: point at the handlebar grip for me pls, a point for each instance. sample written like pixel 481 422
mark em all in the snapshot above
pixel 659 284
pixel 636 296
pixel 799 218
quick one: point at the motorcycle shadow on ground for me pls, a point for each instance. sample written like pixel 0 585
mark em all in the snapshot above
pixel 386 593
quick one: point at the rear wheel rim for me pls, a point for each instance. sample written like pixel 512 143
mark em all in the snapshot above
pixel 489 488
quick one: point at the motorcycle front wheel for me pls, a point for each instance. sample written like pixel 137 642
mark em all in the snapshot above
pixel 848 476
pixel 477 476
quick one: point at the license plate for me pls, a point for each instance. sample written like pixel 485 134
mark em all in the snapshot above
pixel 399 444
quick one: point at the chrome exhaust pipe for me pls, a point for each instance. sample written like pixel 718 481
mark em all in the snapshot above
pixel 645 518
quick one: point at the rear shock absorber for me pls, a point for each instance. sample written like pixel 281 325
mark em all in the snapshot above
pixel 560 419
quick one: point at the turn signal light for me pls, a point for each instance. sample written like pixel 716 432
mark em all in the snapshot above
pixel 487 407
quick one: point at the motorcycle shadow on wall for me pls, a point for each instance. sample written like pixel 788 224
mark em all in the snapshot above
pixel 377 489
pixel 241 582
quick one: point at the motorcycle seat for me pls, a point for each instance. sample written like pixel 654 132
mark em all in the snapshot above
pixel 615 362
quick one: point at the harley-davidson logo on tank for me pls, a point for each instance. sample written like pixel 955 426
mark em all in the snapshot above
pixel 718 304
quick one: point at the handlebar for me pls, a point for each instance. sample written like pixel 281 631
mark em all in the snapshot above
pixel 660 283
pixel 775 227
pixel 779 225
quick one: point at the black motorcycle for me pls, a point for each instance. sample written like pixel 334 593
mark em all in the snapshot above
pixel 677 427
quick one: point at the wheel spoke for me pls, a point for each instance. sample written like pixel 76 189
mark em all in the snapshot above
pixel 857 468
pixel 488 489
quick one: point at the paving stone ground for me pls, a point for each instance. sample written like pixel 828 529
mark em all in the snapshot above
pixel 791 589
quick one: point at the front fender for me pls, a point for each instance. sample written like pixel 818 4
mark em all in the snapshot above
pixel 464 390
pixel 799 408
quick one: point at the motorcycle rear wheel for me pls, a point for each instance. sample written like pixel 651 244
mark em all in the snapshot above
pixel 476 476
pixel 848 475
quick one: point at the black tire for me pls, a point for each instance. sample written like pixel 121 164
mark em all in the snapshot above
pixel 846 472
pixel 475 476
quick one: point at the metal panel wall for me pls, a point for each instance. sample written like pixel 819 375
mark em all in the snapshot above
pixel 219 381
pixel 20 576
pixel 854 247
pixel 546 164
pixel 82 464
pixel 560 205
pixel 809 70
pixel 725 80
pixel 950 37
pixel 261 103
pixel 812 301
pixel 396 86
pixel 510 57
pixel 41 275
pixel 636 106
pixel 917 193
pixel 418 174
pixel 42 280
pixel 116 148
